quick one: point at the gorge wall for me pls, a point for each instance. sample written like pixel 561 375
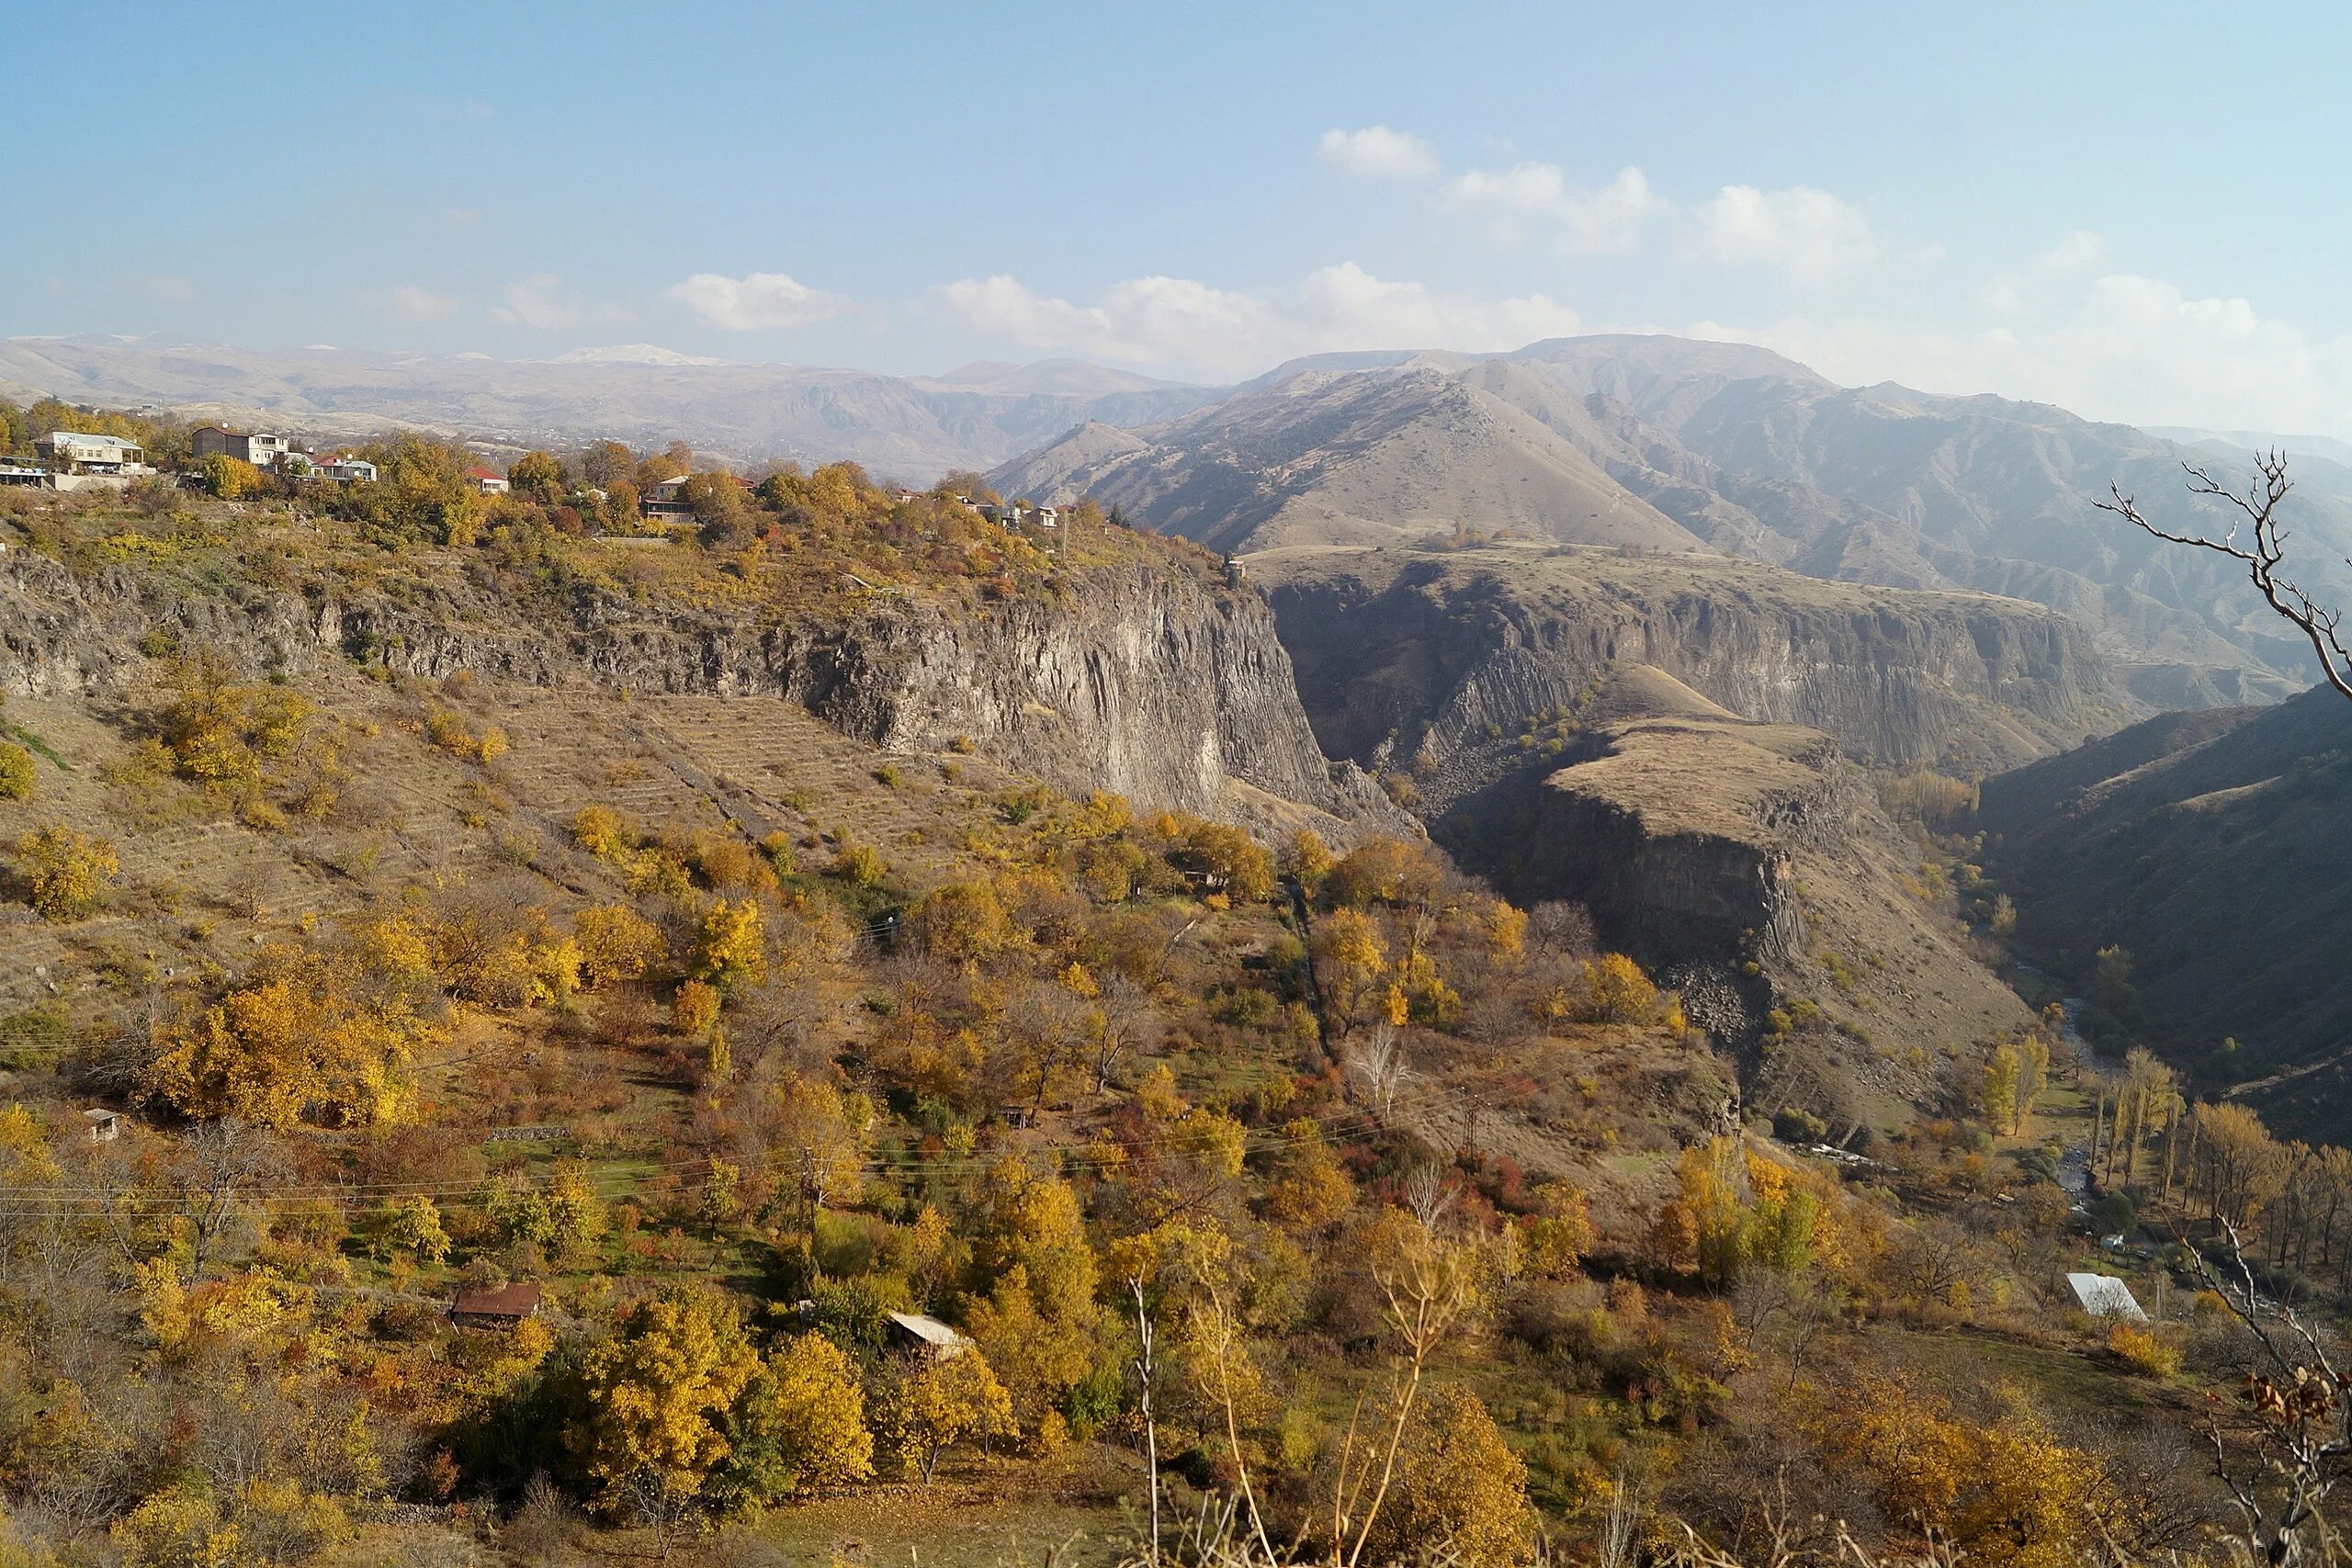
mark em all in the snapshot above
pixel 1409 658
pixel 1164 686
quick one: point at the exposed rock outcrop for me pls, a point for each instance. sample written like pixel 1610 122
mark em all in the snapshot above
pixel 1746 861
pixel 1163 686
pixel 1436 660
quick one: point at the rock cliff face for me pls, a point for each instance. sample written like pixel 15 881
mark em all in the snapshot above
pixel 1745 863
pixel 1162 686
pixel 1430 659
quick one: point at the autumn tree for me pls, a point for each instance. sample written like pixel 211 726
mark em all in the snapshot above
pixel 798 1424
pixel 943 1400
pixel 660 1395
pixel 16 775
pixel 616 943
pixel 65 870
pixel 731 947
pixel 414 1226
pixel 536 476
pixel 1037 1319
pixel 303 1041
pixel 1460 1494
pixel 1351 965
pixel 1560 1232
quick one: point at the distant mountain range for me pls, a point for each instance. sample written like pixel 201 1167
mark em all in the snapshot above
pixel 1660 443
pixel 910 429
pixel 1637 442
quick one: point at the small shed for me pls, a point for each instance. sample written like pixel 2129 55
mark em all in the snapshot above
pixel 496 1306
pixel 106 1125
pixel 2102 1295
pixel 925 1336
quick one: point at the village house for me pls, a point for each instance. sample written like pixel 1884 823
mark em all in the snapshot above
pixel 350 470
pixel 495 1307
pixel 2102 1295
pixel 665 500
pixel 489 482
pixel 924 1335
pixel 260 448
pixel 74 452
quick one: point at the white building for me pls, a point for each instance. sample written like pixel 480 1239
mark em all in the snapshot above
pixel 74 452
pixel 2102 1295
pixel 489 482
pixel 350 470
pixel 260 448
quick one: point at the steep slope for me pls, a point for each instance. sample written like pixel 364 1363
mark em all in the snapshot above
pixel 1744 860
pixel 906 429
pixel 1997 495
pixel 2210 848
pixel 1456 665
pixel 1334 459
pixel 1747 451
pixel 1147 676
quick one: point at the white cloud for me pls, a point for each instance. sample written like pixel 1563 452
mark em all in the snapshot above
pixel 1607 222
pixel 1376 152
pixel 2130 348
pixel 541 300
pixel 759 301
pixel 415 302
pixel 1809 236
pixel 2078 251
pixel 1180 321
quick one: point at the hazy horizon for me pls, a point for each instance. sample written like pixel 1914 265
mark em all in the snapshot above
pixel 909 190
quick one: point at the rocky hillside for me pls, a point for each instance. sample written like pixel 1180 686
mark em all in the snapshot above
pixel 1455 666
pixel 1746 862
pixel 1149 677
pixel 2210 849
pixel 1316 458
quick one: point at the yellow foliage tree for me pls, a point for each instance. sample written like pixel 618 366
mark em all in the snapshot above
pixel 1460 1494
pixel 660 1391
pixel 1351 964
pixel 731 949
pixel 297 1043
pixel 65 870
pixel 943 1401
pixel 1619 991
pixel 616 943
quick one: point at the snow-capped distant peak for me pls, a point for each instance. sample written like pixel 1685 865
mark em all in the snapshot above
pixel 633 354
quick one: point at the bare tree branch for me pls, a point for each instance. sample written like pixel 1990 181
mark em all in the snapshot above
pixel 2257 509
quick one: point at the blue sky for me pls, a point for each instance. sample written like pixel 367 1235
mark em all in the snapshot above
pixel 2135 212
